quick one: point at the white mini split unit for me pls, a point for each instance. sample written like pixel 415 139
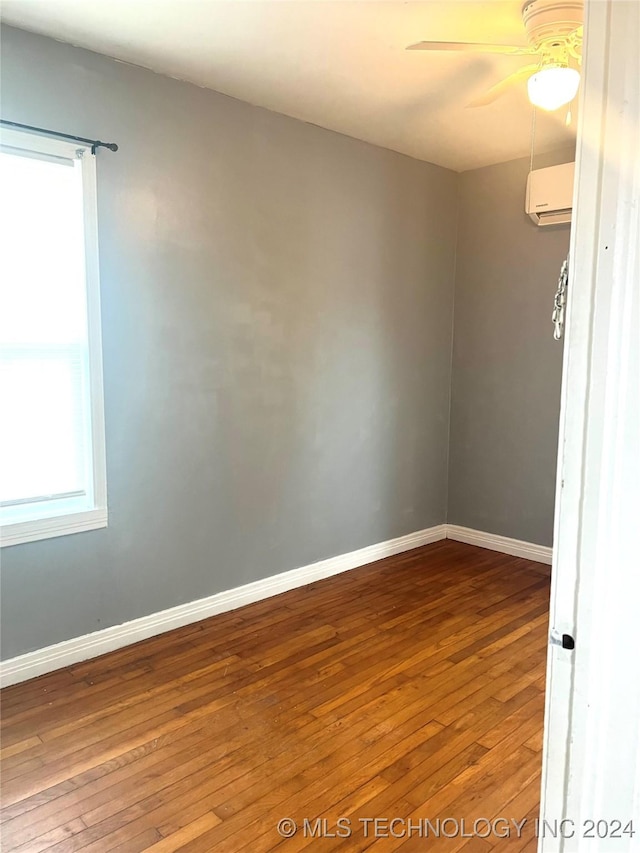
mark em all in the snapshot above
pixel 550 194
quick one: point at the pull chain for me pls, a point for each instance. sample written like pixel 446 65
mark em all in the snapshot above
pixel 533 137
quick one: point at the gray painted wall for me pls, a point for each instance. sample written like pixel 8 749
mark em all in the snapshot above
pixel 507 368
pixel 277 313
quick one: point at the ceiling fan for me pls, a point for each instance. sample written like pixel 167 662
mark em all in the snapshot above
pixel 554 35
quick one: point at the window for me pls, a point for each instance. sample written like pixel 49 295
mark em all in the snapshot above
pixel 52 455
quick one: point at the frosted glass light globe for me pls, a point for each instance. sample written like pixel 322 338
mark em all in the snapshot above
pixel 553 87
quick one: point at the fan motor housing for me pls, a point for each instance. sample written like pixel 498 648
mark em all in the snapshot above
pixel 551 22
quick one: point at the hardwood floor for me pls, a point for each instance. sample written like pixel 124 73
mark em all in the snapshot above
pixel 412 688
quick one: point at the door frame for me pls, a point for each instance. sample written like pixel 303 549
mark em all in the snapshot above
pixel 591 753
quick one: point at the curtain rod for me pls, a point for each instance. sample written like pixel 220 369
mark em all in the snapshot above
pixel 94 143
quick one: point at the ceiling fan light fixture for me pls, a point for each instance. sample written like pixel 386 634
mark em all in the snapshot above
pixel 553 86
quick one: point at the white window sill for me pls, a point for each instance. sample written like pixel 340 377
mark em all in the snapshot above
pixel 46 528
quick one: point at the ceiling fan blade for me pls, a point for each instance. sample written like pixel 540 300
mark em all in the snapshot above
pixel 512 50
pixel 500 88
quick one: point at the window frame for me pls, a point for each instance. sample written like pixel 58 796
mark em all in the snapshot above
pixel 62 519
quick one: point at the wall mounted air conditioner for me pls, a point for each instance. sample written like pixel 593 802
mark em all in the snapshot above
pixel 550 194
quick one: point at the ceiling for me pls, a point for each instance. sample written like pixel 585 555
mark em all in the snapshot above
pixel 340 64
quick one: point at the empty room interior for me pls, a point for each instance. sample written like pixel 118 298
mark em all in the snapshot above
pixel 281 399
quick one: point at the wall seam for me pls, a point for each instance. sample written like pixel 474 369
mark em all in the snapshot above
pixel 453 327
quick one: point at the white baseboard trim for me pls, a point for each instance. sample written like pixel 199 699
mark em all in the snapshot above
pixel 82 648
pixel 514 547
pixel 88 646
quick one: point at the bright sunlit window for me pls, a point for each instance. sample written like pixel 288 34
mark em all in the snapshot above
pixel 52 456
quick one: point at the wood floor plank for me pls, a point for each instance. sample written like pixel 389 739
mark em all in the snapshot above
pixel 409 687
